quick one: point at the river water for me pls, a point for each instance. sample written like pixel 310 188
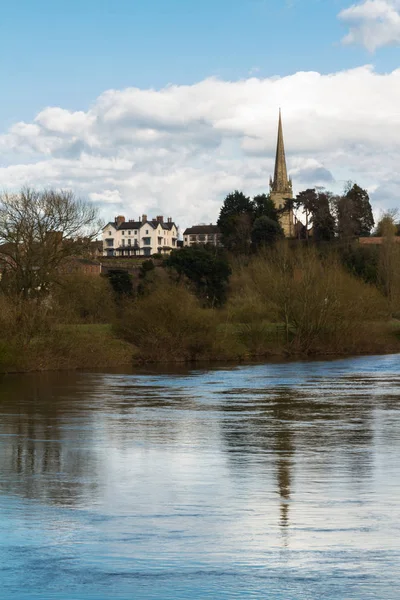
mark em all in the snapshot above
pixel 273 481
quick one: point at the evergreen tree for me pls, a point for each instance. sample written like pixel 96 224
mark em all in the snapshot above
pixel 362 209
pixel 121 282
pixel 354 213
pixel 308 201
pixel 264 207
pixel 322 219
pixel 206 267
pixel 265 232
pixel 235 221
pixel 237 218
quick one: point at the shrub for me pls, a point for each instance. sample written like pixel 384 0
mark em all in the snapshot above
pixel 320 306
pixel 121 282
pixel 168 325
pixel 22 319
pixel 81 298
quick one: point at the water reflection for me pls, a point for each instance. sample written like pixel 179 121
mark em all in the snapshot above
pixel 214 472
pixel 42 438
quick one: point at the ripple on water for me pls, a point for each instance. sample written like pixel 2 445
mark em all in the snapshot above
pixel 263 481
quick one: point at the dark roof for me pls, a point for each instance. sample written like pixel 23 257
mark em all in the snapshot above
pixel 202 229
pixel 168 225
pixel 138 224
pixel 130 225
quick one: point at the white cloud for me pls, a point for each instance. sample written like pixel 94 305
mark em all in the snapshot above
pixel 177 151
pixel 372 23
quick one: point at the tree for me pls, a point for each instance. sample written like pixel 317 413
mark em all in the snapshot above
pixel 389 259
pixel 346 225
pixel 354 213
pixel 235 222
pixel 237 217
pixel 387 226
pixel 362 209
pixel 38 231
pixel 206 267
pixel 322 219
pixel 264 207
pixel 307 200
pixel 265 232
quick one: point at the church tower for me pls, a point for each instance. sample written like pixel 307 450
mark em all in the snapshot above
pixel 281 184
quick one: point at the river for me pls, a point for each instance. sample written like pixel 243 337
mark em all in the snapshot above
pixel 276 481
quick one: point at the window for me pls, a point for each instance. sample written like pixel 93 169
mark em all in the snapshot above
pixel 129 242
pixel 109 233
pixel 123 232
pixel 110 243
pixel 129 233
pixel 123 242
pixel 147 232
pixel 135 232
pixel 147 241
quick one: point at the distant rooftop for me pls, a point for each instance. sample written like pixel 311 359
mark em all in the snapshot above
pixel 196 229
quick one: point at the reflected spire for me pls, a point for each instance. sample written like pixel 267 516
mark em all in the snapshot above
pixel 284 450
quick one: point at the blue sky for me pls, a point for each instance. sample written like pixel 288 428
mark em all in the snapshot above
pixel 68 51
pixel 325 62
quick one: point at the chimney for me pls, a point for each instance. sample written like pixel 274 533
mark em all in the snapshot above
pixel 160 219
pixel 169 219
pixel 144 218
pixel 119 220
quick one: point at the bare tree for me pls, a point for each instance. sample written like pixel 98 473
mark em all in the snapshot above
pixel 38 231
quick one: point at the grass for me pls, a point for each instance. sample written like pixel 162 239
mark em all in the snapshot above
pixel 92 346
pixel 68 347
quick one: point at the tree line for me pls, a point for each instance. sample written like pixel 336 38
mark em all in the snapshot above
pixel 249 223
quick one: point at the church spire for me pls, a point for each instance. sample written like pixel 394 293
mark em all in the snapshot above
pixel 280 183
pixel 281 186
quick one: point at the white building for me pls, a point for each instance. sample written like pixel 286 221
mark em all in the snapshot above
pixel 139 238
pixel 202 234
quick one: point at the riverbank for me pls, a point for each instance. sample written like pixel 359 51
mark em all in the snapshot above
pixel 283 303
pixel 97 346
pixel 67 347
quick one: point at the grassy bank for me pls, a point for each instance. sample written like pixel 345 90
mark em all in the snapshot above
pixel 67 347
pixel 93 346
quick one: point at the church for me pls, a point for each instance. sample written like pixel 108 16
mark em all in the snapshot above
pixel 281 188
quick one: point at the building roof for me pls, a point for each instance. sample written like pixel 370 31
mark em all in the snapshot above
pixel 370 241
pixel 138 224
pixel 130 225
pixel 168 225
pixel 201 229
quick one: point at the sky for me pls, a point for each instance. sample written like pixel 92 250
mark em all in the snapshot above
pixel 165 106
